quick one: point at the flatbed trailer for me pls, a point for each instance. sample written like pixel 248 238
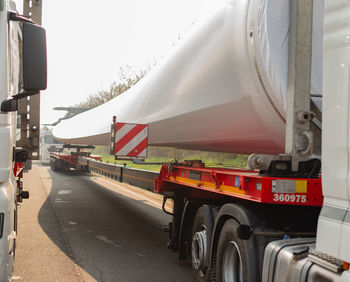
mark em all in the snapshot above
pixel 214 206
pixel 225 214
pixel 69 159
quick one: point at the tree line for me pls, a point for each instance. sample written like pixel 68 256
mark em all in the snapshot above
pixel 128 77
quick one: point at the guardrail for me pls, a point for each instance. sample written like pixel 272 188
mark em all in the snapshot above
pixel 133 176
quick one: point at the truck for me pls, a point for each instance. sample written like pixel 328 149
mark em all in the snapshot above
pixel 22 74
pixel 48 144
pixel 284 219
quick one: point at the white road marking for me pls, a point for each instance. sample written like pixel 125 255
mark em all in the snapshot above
pixel 64 192
pixel 106 240
pixel 60 201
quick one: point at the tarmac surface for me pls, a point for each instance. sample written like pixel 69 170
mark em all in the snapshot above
pixel 81 227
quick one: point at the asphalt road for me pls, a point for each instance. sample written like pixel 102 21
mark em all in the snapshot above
pixel 80 227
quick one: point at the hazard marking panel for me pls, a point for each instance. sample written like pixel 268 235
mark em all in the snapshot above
pixel 130 140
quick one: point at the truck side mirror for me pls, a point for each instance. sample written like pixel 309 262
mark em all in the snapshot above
pixel 34 58
pixel 9 105
pixel 34 62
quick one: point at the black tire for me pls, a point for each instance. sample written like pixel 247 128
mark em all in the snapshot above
pixel 56 165
pixel 233 262
pixel 202 229
pixel 53 164
pixel 27 165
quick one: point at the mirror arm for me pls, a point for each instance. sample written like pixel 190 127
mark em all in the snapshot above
pixel 13 16
pixel 11 104
pixel 24 94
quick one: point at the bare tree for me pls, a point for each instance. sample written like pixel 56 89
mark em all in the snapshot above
pixel 127 78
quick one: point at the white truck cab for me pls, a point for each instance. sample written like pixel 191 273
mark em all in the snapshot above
pixel 22 75
pixel 327 257
pixel 333 234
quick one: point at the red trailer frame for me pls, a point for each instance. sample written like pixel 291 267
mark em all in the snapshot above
pixel 239 183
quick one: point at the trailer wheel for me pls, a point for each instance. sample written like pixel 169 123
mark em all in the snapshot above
pixel 200 247
pixel 58 166
pixel 232 261
pixel 53 165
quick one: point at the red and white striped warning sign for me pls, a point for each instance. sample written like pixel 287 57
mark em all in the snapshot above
pixel 131 140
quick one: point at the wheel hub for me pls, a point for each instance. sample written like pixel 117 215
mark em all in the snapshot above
pixel 199 249
pixel 231 263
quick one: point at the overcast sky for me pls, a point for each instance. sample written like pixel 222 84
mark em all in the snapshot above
pixel 88 41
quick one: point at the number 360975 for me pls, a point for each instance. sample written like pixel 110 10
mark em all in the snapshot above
pixel 289 198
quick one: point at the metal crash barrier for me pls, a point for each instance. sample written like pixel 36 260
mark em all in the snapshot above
pixel 136 177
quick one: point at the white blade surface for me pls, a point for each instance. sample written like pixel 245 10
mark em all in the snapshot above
pixel 222 89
